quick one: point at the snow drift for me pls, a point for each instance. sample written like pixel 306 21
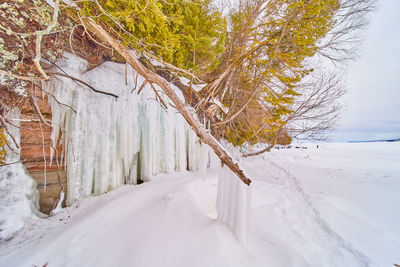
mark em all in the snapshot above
pixel 19 199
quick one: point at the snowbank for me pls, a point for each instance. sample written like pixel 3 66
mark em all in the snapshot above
pixel 19 199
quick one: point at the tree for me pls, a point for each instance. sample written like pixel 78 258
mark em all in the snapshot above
pixel 187 34
pixel 269 43
pixel 268 69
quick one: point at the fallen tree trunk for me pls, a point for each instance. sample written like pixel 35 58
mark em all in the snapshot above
pixel 152 77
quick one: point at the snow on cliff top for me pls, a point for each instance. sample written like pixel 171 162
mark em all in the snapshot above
pixel 332 206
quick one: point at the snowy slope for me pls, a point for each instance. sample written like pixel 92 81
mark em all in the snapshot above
pixel 333 206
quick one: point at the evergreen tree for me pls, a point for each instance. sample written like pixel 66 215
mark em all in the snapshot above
pixel 187 34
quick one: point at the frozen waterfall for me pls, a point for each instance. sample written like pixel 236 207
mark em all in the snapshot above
pixel 111 141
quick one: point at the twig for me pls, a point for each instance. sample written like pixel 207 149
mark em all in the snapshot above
pixel 19 127
pixel 55 99
pixel 32 99
pixel 71 36
pixel 142 86
pixel 11 148
pixel 170 66
pixel 230 118
pixel 3 121
pixel 15 162
pixel 88 34
pixel 19 77
pixel 83 82
pixel 158 95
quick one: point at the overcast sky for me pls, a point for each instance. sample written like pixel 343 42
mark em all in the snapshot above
pixel 372 108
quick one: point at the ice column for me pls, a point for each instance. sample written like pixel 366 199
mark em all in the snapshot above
pixel 233 203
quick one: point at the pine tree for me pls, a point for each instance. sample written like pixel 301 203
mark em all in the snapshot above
pixel 187 34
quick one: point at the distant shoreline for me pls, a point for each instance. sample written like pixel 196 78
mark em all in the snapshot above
pixel 372 141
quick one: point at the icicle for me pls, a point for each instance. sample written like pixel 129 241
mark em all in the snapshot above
pixel 44 158
pixel 203 158
pixel 233 204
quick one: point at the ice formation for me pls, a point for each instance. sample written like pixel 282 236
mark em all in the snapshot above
pixel 58 207
pixel 112 141
pixel 233 203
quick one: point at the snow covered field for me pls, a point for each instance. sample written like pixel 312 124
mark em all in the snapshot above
pixel 338 205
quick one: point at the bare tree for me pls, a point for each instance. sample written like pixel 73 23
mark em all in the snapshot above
pixel 341 43
pixel 318 108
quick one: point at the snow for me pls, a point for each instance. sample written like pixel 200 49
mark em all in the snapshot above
pixel 19 200
pixel 197 87
pixel 332 206
pixel 112 141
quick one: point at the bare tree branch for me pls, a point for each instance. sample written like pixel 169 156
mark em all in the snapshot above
pixel 82 82
pixel 39 37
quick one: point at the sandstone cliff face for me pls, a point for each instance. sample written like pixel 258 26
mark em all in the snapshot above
pixel 32 149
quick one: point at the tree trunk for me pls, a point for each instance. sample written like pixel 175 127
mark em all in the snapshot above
pixel 204 136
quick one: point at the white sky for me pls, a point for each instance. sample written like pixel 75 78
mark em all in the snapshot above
pixel 372 108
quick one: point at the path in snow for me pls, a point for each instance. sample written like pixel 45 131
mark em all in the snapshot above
pixel 352 191
pixel 307 222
